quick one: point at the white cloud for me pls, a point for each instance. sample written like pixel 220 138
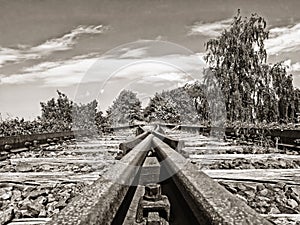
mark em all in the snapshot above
pixel 8 55
pixel 172 76
pixel 68 40
pixel 143 69
pixel 67 73
pixel 296 67
pixel 124 64
pixel 65 42
pixel 152 66
pixel 292 67
pixel 283 39
pixel 18 79
pixel 41 67
pixel 213 29
pixel 134 53
pixel 55 74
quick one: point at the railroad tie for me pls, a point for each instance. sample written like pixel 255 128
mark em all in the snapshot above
pixel 150 171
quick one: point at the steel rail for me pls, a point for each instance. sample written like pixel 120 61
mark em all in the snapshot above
pixel 210 202
pixel 99 203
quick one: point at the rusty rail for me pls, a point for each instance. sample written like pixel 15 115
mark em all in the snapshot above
pixel 20 140
pixel 210 202
pixel 100 202
pixel 192 196
pixel 289 139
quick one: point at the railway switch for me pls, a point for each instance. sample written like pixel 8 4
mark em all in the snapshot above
pixel 153 207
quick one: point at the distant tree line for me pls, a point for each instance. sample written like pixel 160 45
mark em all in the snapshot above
pixel 185 104
pixel 64 114
pixel 126 108
pixel 252 90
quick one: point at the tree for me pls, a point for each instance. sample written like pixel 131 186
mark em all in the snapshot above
pixel 84 116
pixel 126 108
pixel 236 58
pixel 196 93
pixel 253 91
pixel 161 109
pixel 297 105
pixel 63 114
pixel 182 103
pixel 285 93
pixel 57 114
pixel 185 104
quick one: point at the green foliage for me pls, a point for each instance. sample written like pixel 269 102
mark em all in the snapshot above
pixel 196 94
pixel 17 126
pixel 161 109
pixel 84 116
pixel 285 93
pixel 57 114
pixel 185 104
pixel 126 108
pixel 63 114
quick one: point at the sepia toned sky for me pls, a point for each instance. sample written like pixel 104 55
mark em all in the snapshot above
pixel 47 45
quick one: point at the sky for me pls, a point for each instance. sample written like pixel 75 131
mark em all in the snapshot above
pixel 92 49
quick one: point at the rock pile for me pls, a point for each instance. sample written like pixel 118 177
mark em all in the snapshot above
pixel 21 200
pixel 18 201
pixel 23 167
pixel 254 149
pixel 242 163
pixel 246 149
pixel 267 198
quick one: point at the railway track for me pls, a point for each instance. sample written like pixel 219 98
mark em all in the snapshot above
pixel 243 169
pixel 38 181
pixel 147 180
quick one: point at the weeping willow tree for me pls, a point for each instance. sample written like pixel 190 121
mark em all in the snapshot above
pixel 196 92
pixel 286 95
pixel 253 90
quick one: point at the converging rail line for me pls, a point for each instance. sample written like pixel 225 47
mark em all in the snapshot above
pixel 135 192
pixel 148 181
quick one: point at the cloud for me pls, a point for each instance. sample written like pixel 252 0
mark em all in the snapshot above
pixel 296 67
pixel 17 79
pixel 153 66
pixel 68 40
pixel 41 67
pixel 213 29
pixel 292 67
pixel 137 51
pixel 9 55
pixel 123 65
pixel 283 39
pixel 63 43
pixel 177 77
pixel 133 53
pixel 92 68
pixel 54 74
pixel 144 69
